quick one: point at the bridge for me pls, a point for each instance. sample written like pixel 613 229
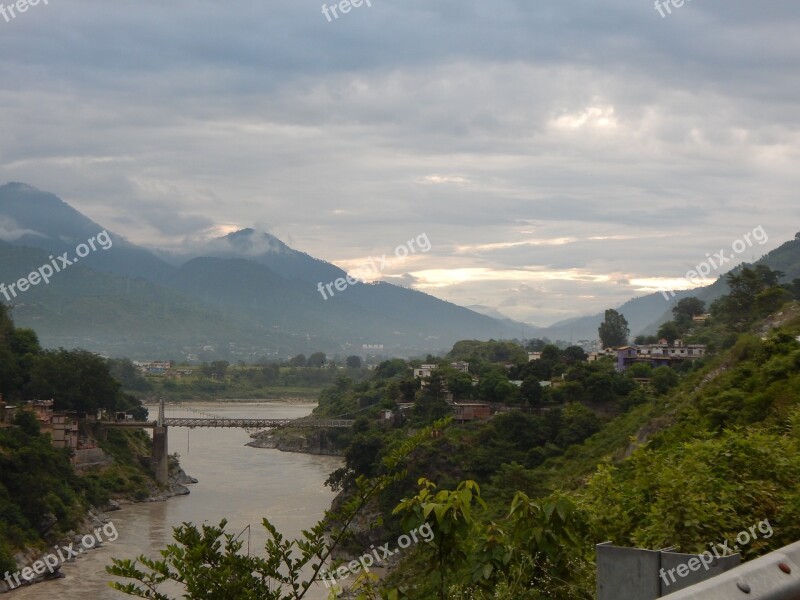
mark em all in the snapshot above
pixel 257 423
pixel 193 422
pixel 160 457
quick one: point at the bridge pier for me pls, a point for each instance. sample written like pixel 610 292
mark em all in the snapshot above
pixel 160 459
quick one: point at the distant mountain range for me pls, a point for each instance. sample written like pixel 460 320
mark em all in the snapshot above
pixel 241 296
pixel 646 313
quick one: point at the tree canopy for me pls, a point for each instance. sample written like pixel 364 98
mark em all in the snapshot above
pixel 614 330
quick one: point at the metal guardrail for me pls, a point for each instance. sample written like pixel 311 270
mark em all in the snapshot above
pixel 639 574
pixel 774 576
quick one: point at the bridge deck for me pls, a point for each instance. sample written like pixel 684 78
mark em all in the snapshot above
pixel 257 423
pixel 241 423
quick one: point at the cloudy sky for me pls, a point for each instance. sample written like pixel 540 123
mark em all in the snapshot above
pixel 560 156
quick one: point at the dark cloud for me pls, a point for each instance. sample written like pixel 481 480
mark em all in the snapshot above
pixel 644 141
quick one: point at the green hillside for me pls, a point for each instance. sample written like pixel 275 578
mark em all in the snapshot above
pixel 684 467
pixel 41 496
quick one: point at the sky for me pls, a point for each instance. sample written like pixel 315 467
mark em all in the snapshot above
pixel 560 156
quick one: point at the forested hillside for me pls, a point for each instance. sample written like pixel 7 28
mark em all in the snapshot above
pixel 684 457
pixel 685 462
pixel 41 496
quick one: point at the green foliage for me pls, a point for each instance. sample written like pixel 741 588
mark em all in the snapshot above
pixel 698 492
pixel 614 330
pixel 298 361
pixel 698 456
pixel 754 293
pixel 77 380
pixel 574 354
pixel 664 379
pixel 207 562
pixel 534 552
pixel 474 351
pixel 688 308
pixel 395 368
pixel 124 371
pixel 670 332
pixel 36 481
pixel 450 515
pixel 316 360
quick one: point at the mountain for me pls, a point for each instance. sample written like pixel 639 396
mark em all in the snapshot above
pixel 30 217
pixel 646 313
pixel 243 295
pixel 247 294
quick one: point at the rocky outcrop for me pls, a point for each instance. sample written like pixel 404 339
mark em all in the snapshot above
pixel 309 441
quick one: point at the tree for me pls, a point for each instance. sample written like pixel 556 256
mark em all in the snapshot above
pixel 208 564
pixel 740 305
pixel 574 354
pixel 551 354
pixel 298 361
pixel 459 384
pixel 392 368
pixel 531 390
pixel 216 370
pixel 124 371
pixel 794 289
pixel 536 345
pixel 688 308
pixel 614 330
pixel 353 362
pixel 78 380
pixel 669 331
pixel 316 360
pixel 664 379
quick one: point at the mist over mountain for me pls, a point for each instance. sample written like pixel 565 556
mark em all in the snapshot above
pixel 247 295
pixel 240 296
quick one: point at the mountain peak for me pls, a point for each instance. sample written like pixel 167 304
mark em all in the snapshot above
pixel 247 231
pixel 251 243
pixel 19 186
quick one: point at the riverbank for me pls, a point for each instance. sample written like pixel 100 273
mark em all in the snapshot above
pixel 35 566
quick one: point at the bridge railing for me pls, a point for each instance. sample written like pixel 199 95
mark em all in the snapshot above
pixel 256 423
pixel 774 576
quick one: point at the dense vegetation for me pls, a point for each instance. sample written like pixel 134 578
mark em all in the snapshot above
pixel 299 377
pixel 41 497
pixel 516 504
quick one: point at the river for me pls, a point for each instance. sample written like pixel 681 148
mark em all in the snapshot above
pixel 236 482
